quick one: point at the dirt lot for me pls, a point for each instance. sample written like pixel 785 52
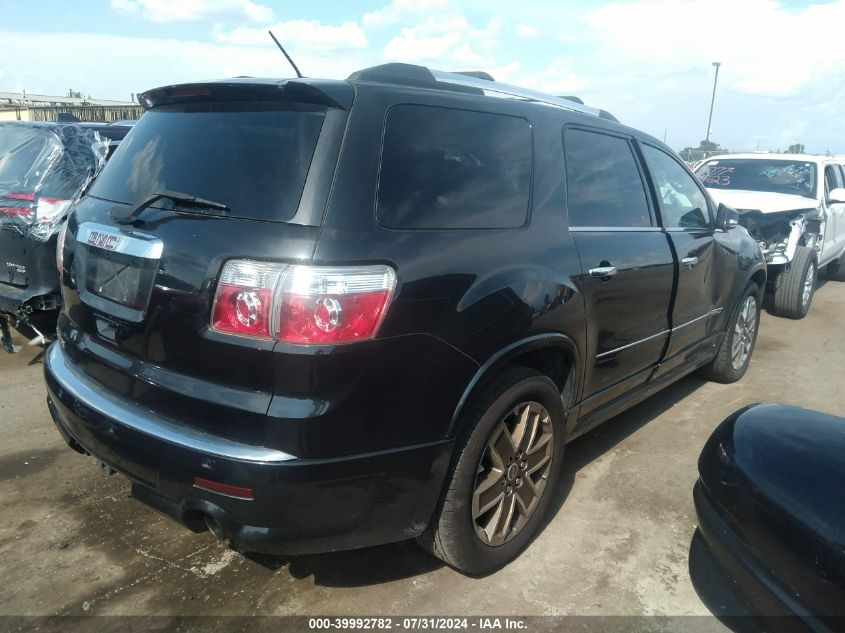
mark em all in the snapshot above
pixel 72 542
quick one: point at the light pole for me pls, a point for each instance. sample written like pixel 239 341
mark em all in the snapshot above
pixel 712 100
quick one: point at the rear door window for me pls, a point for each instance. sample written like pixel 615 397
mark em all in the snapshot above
pixel 603 182
pixel 251 156
pixel 25 154
pixel 682 203
pixel 444 168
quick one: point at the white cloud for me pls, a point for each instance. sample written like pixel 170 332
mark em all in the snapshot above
pixel 526 32
pixel 764 47
pixel 448 41
pixel 559 79
pixel 303 36
pixel 195 10
pixel 76 60
pixel 399 11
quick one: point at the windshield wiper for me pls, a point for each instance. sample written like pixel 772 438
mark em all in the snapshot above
pixel 182 199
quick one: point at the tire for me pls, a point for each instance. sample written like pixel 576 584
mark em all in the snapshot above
pixel 454 534
pixel 836 269
pixel 726 367
pixel 791 299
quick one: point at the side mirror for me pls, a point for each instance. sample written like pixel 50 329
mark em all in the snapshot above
pixel 836 195
pixel 726 217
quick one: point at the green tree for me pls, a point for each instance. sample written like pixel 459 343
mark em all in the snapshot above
pixel 795 148
pixel 705 148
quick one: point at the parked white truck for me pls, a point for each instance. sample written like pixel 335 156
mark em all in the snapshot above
pixel 794 206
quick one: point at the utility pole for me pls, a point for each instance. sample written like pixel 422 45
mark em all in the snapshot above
pixel 712 100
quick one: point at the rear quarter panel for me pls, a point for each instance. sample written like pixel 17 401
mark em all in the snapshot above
pixel 477 291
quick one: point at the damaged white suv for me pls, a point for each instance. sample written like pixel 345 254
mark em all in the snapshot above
pixel 794 206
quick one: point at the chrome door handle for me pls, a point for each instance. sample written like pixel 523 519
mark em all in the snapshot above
pixel 603 271
pixel 689 262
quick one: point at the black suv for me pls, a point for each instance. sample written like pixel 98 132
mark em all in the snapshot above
pixel 312 315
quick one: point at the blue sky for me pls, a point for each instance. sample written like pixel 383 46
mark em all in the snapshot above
pixel 647 61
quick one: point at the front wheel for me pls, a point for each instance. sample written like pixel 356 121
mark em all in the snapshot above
pixel 735 351
pixel 500 484
pixel 794 289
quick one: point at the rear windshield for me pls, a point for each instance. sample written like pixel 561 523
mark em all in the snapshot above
pixel 751 174
pixel 443 168
pixel 24 154
pixel 252 157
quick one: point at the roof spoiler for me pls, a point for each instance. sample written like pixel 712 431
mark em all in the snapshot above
pixel 240 90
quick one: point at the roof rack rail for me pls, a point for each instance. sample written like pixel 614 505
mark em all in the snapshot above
pixel 476 82
pixel 478 74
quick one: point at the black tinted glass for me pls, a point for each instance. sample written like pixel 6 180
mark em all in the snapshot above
pixel 20 148
pixel 682 204
pixel 832 177
pixel 604 187
pixel 252 157
pixel 453 169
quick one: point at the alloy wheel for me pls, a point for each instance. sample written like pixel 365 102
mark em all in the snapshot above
pixel 744 331
pixel 513 473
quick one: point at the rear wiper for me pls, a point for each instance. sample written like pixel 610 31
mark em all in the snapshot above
pixel 183 199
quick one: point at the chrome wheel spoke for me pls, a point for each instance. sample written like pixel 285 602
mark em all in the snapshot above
pixel 526 496
pixel 512 473
pixel 503 520
pixel 744 332
pixel 538 457
pixel 487 493
pixel 501 448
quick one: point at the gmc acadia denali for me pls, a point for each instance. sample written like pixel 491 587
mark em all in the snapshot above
pixel 311 315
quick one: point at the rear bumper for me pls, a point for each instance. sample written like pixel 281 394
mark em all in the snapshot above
pixel 32 266
pixel 298 506
pixel 12 299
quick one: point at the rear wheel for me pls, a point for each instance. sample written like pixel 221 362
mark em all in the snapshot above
pixel 500 484
pixel 734 353
pixel 794 289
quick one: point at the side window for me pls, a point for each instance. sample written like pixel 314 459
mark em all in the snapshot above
pixel 682 203
pixel 832 178
pixel 603 183
pixel 443 168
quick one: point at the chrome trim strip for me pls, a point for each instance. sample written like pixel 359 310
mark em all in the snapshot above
pixel 145 421
pixel 712 312
pixel 136 244
pixel 615 229
pixel 624 347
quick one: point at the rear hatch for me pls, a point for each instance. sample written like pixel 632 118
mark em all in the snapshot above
pixel 140 272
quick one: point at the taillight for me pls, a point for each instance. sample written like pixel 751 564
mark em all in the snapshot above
pixel 18 210
pixel 51 209
pixel 310 305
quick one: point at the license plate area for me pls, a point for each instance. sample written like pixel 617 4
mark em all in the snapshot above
pixel 115 270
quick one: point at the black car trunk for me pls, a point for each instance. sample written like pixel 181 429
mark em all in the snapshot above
pixel 139 291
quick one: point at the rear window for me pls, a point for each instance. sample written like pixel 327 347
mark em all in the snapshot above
pixel 252 157
pixel 763 174
pixel 443 168
pixel 25 154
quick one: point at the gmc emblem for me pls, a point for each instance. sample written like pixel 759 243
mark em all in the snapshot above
pixel 105 241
